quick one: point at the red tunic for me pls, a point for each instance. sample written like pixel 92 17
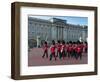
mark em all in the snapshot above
pixel 78 49
pixel 45 47
pixel 52 48
pixel 69 48
pixel 74 48
pixel 63 48
pixel 81 46
pixel 59 47
pixel 85 46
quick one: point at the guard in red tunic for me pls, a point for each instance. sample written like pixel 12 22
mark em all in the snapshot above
pixel 67 46
pixel 63 48
pixel 86 47
pixel 45 49
pixel 82 46
pixel 69 50
pixel 59 49
pixel 52 50
pixel 79 51
pixel 73 50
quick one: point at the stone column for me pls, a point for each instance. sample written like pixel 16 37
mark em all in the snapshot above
pixel 62 32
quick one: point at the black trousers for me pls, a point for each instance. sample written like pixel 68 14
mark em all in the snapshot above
pixel 45 53
pixel 52 55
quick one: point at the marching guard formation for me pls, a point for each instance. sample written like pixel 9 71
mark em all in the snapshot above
pixel 62 50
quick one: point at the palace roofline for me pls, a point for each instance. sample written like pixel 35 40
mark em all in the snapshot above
pixel 51 22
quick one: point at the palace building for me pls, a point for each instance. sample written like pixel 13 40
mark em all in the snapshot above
pixel 40 30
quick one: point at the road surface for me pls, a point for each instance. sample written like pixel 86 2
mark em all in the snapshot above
pixel 35 59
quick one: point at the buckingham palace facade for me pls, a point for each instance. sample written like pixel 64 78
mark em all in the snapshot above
pixel 40 30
